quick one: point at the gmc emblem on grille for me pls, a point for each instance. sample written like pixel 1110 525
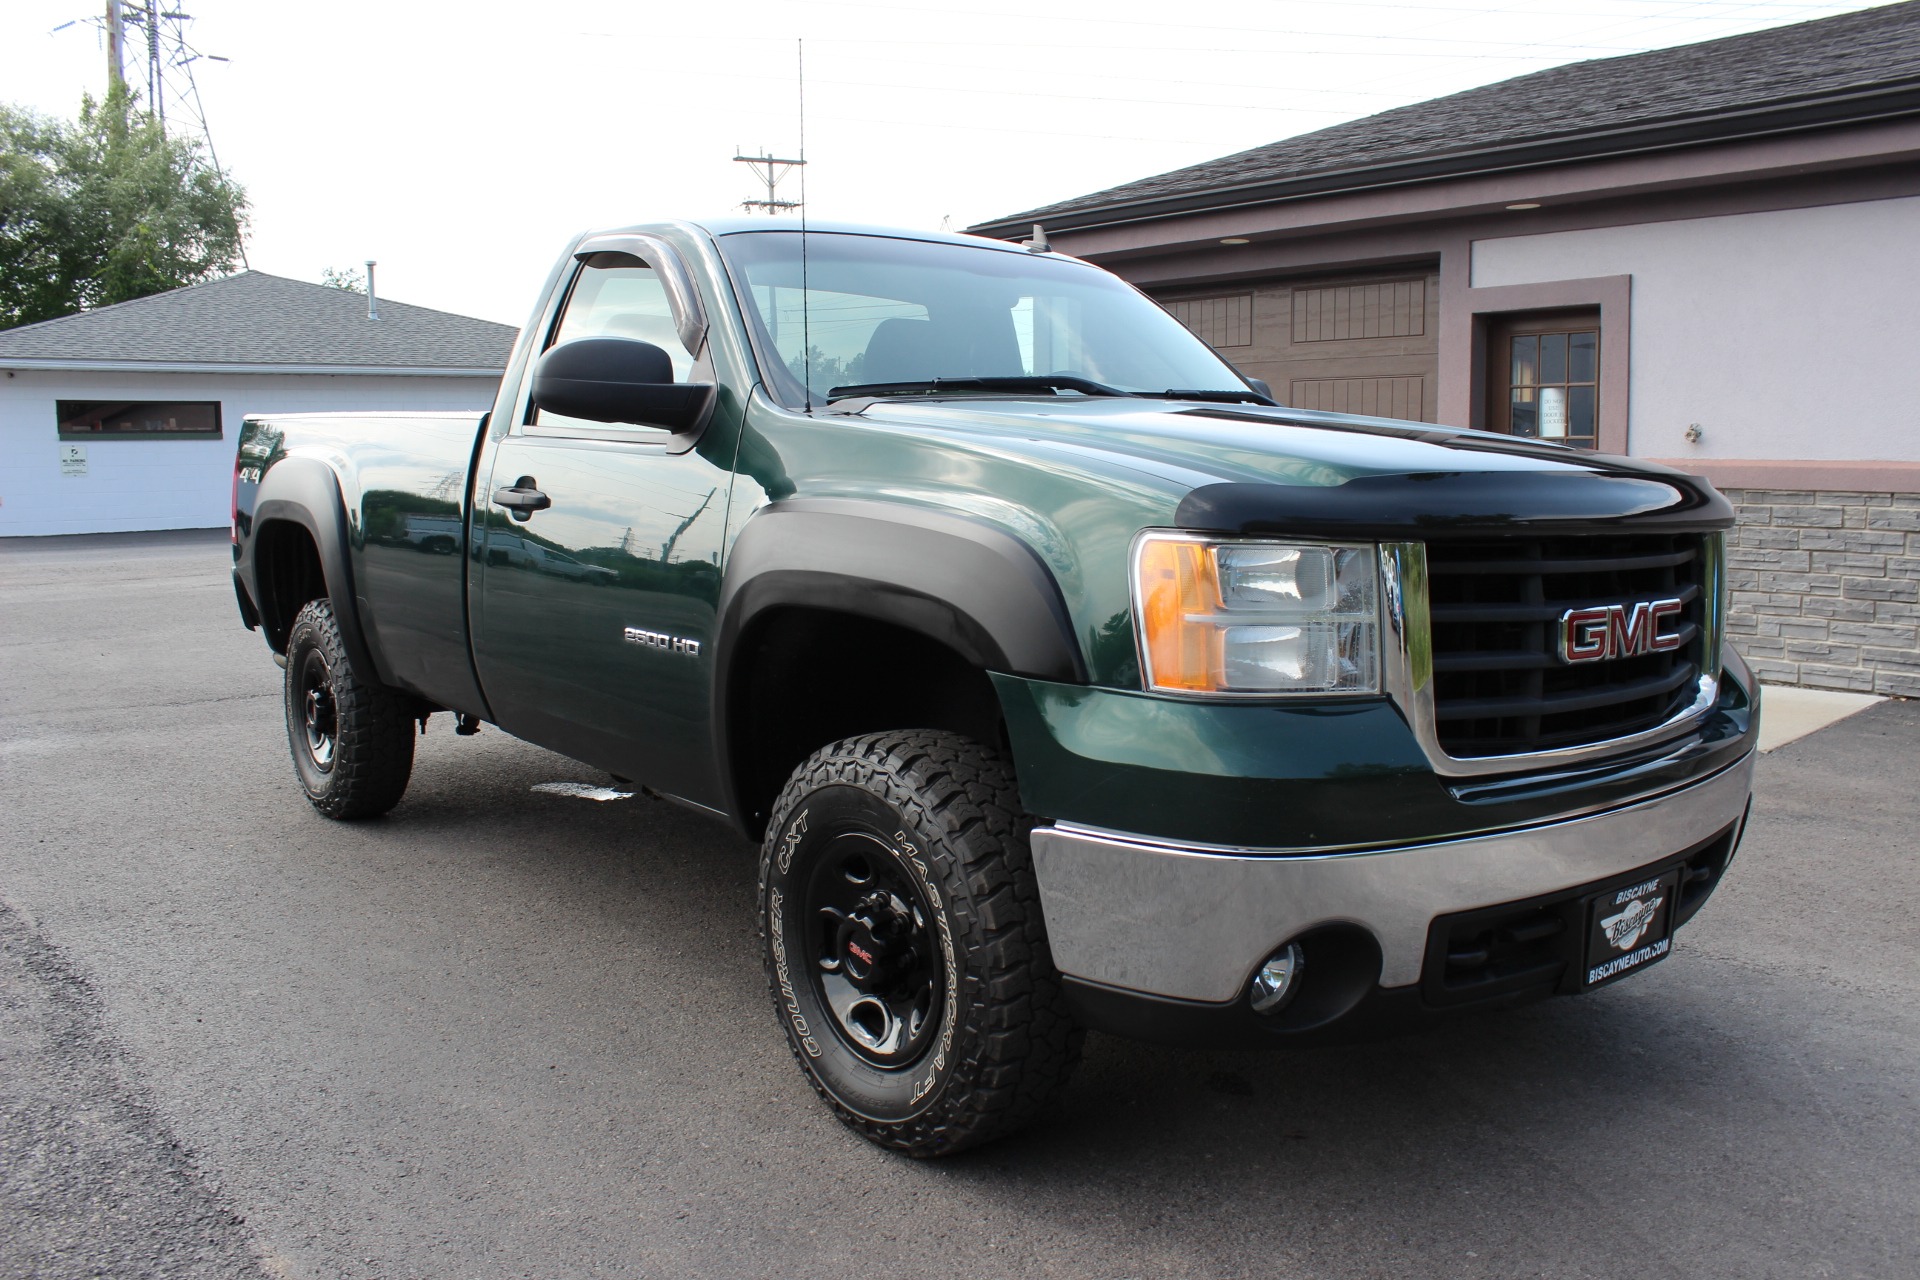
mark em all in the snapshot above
pixel 1607 631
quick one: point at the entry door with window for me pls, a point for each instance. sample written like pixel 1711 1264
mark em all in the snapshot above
pixel 595 620
pixel 1544 382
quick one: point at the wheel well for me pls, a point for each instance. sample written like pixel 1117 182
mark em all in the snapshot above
pixel 801 678
pixel 286 566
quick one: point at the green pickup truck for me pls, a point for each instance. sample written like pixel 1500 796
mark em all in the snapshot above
pixel 1065 679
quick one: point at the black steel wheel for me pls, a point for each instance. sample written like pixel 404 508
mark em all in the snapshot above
pixel 352 742
pixel 874 954
pixel 321 727
pixel 904 944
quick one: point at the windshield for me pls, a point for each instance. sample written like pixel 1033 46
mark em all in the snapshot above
pixel 877 311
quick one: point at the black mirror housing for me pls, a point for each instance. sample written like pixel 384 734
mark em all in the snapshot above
pixel 618 380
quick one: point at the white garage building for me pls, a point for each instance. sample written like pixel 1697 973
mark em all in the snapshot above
pixel 125 418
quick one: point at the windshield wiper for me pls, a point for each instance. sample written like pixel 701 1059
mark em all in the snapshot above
pixel 1212 397
pixel 1055 382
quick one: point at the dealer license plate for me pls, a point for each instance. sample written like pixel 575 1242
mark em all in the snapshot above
pixel 1629 928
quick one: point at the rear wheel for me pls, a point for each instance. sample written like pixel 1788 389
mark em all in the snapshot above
pixel 904 944
pixel 352 741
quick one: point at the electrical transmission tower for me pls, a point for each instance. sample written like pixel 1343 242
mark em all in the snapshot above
pixel 167 66
pixel 770 170
pixel 158 40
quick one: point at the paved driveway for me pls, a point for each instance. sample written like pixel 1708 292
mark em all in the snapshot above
pixel 509 1034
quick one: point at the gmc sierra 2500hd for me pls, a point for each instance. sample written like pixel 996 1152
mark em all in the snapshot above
pixel 1066 679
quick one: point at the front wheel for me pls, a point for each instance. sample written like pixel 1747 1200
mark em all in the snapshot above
pixel 352 741
pixel 904 944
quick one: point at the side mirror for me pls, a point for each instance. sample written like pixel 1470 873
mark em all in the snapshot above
pixel 1260 385
pixel 617 380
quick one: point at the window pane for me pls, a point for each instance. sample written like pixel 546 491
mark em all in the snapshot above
pixel 618 297
pixel 1583 357
pixel 1526 416
pixel 838 328
pixel 164 419
pixel 1581 406
pixel 1526 354
pixel 1553 413
pixel 1553 357
pixel 884 310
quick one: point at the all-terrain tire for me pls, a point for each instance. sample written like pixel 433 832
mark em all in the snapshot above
pixel 352 741
pixel 936 816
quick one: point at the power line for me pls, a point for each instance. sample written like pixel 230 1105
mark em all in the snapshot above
pixel 1252 30
pixel 1082 97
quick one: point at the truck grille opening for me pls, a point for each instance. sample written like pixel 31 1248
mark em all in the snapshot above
pixel 1500 686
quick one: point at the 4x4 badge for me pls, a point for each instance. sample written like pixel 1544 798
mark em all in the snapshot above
pixel 1605 631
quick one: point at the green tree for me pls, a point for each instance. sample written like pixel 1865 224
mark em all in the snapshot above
pixel 105 209
pixel 36 222
pixel 349 278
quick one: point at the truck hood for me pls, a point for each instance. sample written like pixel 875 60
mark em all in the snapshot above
pixel 1254 468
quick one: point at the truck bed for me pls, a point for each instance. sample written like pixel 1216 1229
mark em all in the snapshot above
pixel 405 481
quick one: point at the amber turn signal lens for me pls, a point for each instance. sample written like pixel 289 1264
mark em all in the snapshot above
pixel 1177 580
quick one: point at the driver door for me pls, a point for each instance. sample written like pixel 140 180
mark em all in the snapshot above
pixel 595 612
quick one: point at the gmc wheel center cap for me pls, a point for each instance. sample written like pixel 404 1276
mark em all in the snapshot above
pixel 862 944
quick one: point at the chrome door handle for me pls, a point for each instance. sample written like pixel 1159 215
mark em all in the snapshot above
pixel 522 499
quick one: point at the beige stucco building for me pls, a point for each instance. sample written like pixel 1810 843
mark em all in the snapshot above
pixel 1707 255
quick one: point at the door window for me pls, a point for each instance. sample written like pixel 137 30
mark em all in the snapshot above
pixel 616 295
pixel 1545 379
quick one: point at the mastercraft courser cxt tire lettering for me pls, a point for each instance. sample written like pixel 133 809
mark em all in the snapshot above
pixel 904 943
pixel 352 741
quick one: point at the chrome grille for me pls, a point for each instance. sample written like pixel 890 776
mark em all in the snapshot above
pixel 1499 684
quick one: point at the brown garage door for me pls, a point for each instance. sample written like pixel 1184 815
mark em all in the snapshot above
pixel 1357 344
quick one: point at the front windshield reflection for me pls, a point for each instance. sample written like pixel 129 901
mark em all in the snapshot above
pixel 867 310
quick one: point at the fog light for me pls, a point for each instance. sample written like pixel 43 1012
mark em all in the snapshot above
pixel 1277 979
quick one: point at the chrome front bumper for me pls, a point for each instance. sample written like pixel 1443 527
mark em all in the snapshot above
pixel 1192 923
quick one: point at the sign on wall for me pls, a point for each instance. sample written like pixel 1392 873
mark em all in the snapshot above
pixel 73 459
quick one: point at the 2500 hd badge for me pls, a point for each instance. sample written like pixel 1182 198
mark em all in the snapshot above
pixel 1065 679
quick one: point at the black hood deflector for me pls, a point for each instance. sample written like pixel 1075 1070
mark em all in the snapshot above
pixel 1462 504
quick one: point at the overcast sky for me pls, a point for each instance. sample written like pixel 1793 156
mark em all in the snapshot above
pixel 461 144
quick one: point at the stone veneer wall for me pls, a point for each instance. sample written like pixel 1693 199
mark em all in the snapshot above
pixel 1826 588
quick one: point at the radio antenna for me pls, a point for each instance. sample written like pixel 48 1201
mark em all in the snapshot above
pixel 806 299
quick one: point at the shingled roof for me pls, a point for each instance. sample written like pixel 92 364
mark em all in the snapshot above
pixel 1857 66
pixel 258 320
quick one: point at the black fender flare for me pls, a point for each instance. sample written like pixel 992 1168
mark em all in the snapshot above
pixel 961 581
pixel 306 492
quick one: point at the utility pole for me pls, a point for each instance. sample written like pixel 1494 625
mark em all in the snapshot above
pixel 116 48
pixel 770 170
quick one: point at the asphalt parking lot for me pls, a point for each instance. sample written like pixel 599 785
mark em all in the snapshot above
pixel 502 1033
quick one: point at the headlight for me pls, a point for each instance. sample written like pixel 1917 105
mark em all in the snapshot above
pixel 1256 617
